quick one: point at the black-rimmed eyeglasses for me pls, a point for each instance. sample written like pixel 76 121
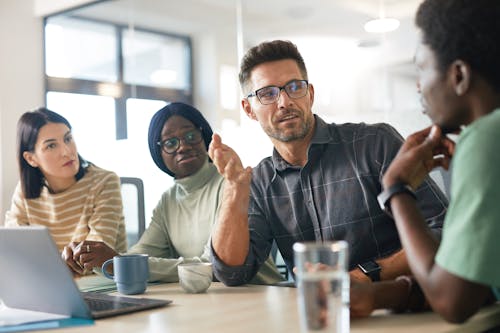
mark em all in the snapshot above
pixel 171 145
pixel 271 94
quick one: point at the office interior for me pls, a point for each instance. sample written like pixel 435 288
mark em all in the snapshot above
pixel 109 65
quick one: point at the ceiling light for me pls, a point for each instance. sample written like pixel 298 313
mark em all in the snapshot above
pixel 381 25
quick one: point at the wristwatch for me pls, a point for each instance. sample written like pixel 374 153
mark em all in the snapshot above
pixel 371 269
pixel 384 198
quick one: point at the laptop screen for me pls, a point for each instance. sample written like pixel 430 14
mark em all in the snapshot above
pixel 36 278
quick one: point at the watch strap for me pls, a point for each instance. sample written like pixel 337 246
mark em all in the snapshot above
pixel 385 197
pixel 374 275
pixel 371 269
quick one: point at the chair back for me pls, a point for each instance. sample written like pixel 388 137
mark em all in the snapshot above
pixel 132 190
pixel 279 262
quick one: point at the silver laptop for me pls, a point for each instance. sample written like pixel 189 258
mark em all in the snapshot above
pixel 34 277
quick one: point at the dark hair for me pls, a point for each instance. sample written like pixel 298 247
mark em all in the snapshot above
pixel 28 127
pixel 159 120
pixel 269 51
pixel 465 30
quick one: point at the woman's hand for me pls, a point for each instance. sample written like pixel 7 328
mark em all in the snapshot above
pixel 67 256
pixel 82 257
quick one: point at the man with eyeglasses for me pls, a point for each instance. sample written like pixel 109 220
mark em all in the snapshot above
pixel 181 222
pixel 321 183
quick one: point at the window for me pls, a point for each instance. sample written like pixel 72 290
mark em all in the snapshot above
pixel 92 118
pixel 108 81
pixel 104 59
pixel 156 60
pixel 80 49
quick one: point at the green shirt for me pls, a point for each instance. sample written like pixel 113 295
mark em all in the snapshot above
pixel 471 232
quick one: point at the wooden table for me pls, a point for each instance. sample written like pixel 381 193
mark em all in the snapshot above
pixel 259 309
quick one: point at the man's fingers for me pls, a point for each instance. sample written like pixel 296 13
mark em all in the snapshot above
pixel 226 161
pixel 211 147
pixel 428 136
pixel 232 168
pixel 216 141
pixel 219 160
pixel 419 137
pixel 442 161
pixel 235 172
pixel 434 137
pixel 414 140
pixel 430 144
pixel 449 145
pixel 215 144
pixel 425 132
pixel 441 144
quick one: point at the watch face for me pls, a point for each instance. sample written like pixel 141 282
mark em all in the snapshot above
pixel 369 266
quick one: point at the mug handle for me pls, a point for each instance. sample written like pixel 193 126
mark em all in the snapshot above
pixel 104 271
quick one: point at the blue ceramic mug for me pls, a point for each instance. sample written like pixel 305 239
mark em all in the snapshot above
pixel 131 273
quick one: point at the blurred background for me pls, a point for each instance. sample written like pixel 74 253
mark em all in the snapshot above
pixel 108 66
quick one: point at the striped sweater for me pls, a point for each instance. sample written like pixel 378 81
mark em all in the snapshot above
pixel 91 209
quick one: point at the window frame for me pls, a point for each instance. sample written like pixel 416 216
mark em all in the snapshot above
pixel 123 90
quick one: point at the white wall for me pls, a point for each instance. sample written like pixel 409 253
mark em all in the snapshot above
pixel 21 76
pixel 47 7
pixel 21 83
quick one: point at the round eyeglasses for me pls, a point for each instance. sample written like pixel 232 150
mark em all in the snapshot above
pixel 171 145
pixel 271 94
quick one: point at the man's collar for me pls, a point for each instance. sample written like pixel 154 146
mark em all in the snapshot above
pixel 321 132
pixel 321 136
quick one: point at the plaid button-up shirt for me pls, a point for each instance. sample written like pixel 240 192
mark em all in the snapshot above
pixel 333 197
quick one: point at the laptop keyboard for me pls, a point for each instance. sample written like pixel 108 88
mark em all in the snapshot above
pixel 105 305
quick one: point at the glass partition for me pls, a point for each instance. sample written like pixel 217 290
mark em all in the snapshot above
pixel 150 52
pixel 156 60
pixel 80 49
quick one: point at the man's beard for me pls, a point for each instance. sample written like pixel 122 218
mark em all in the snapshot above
pixel 280 135
pixel 445 129
pixel 450 130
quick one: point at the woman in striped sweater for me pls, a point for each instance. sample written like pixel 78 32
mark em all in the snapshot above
pixel 58 189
